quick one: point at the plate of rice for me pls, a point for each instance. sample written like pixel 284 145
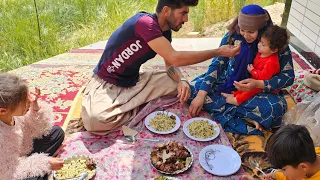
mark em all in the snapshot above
pixel 74 166
pixel 162 122
pixel 201 129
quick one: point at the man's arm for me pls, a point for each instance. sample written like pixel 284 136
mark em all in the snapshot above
pixel 174 73
pixel 183 58
pixel 183 84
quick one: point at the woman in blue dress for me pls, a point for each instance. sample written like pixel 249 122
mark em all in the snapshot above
pixel 264 110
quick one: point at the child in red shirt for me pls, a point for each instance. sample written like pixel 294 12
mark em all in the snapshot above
pixel 266 63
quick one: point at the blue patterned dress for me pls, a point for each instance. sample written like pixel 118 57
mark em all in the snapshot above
pixel 265 108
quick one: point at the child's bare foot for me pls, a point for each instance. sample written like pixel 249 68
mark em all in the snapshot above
pixel 257 125
pixel 230 99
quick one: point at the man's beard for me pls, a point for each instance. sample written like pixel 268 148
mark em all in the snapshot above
pixel 172 26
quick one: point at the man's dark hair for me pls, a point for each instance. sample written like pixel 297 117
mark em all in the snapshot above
pixel 175 4
pixel 277 36
pixel 290 145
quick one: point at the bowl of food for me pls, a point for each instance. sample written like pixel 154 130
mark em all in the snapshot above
pixel 201 129
pixel 162 122
pixel 171 158
pixel 75 166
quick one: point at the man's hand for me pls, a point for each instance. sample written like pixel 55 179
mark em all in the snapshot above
pixel 56 163
pixel 230 99
pixel 196 105
pixel 229 50
pixel 163 47
pixel 250 68
pixel 183 91
pixel 248 84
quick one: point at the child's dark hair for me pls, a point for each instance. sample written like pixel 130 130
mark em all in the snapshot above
pixel 277 36
pixel 290 145
pixel 13 90
pixel 175 4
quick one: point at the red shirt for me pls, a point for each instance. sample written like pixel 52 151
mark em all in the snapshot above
pixel 264 69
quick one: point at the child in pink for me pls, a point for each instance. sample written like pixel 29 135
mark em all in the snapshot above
pixel 266 63
pixel 28 140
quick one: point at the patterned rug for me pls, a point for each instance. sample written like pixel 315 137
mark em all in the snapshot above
pixel 59 85
pixel 61 77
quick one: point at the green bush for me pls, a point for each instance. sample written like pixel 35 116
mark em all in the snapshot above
pixel 69 24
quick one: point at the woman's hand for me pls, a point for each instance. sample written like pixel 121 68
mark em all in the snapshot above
pixel 56 163
pixel 248 84
pixel 183 91
pixel 197 103
pixel 230 99
pixel 33 99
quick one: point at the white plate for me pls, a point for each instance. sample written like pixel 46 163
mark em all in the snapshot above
pixel 154 114
pixel 186 131
pixel 223 160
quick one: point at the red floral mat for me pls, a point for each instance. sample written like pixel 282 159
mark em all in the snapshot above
pixel 59 85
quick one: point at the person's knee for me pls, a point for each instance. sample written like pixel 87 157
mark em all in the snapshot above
pixel 94 119
pixel 91 115
pixel 58 134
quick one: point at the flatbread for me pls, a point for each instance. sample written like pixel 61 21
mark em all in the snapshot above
pixel 128 131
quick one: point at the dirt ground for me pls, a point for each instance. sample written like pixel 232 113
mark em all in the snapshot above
pixel 219 29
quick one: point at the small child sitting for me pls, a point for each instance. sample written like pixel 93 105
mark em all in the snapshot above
pixel 27 138
pixel 291 149
pixel 266 63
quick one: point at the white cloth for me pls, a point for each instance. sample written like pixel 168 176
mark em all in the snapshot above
pixel 307 113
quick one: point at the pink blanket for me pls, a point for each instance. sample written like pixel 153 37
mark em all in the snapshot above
pixel 118 159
